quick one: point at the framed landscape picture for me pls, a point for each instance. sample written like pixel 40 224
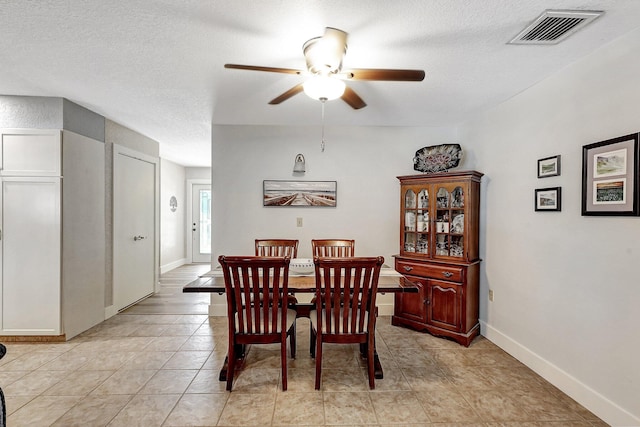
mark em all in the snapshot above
pixel 549 166
pixel 610 177
pixel 548 199
pixel 299 193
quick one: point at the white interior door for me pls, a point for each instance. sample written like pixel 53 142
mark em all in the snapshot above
pixel 134 199
pixel 201 223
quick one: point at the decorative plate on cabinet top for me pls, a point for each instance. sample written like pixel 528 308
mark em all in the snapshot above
pixel 437 158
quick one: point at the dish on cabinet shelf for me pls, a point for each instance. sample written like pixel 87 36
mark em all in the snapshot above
pixel 457 224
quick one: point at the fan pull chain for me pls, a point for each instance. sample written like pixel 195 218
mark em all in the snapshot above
pixel 322 140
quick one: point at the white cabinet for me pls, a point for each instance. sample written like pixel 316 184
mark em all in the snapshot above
pixel 30 256
pixel 30 221
pixel 30 153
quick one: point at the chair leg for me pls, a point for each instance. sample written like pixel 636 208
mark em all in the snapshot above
pixel 318 354
pixel 231 364
pixel 370 359
pixel 283 363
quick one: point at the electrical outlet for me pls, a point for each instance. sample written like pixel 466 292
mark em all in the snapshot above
pixel 299 222
pixel 491 295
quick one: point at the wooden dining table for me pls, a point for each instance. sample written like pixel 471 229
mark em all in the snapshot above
pixel 390 281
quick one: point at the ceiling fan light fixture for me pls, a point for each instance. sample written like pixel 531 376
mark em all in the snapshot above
pixel 324 88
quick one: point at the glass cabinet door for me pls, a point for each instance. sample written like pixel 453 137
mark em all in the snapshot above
pixel 450 222
pixel 416 221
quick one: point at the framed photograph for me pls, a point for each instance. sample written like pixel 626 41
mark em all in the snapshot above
pixel 549 166
pixel 610 177
pixel 299 193
pixel 549 199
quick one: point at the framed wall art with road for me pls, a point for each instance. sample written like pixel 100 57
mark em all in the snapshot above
pixel 610 177
pixel 299 193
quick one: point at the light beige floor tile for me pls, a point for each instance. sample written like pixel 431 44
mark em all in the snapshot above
pixel 496 405
pixel 9 377
pixel 13 403
pixel 166 343
pixel 125 382
pixel 78 383
pixel 298 409
pixel 145 411
pixel 180 329
pixel 42 411
pixel 148 360
pixel 148 330
pixel 396 407
pixel 447 405
pixel 200 343
pixel 93 411
pixel 34 383
pixel 30 361
pixel 248 410
pixel 187 360
pixel 169 381
pixel 197 410
pixel 256 381
pixel 348 408
pixel 108 361
pixel 69 361
pixel 352 379
pixel 206 382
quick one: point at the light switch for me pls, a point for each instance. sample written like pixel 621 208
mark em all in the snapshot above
pixel 299 222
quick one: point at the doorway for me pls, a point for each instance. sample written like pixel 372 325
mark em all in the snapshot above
pixel 200 226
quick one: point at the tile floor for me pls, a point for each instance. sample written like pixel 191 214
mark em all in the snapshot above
pixel 157 364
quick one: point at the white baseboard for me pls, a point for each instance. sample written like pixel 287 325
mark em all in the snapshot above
pixel 110 312
pixel 172 265
pixel 604 408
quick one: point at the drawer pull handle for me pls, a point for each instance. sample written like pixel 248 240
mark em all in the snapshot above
pixel 407 268
pixel 447 273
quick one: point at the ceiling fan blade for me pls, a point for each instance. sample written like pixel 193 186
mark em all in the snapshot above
pixel 259 68
pixel 384 74
pixel 288 94
pixel 351 97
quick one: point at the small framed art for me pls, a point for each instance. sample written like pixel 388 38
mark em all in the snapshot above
pixel 548 199
pixel 299 193
pixel 549 166
pixel 610 177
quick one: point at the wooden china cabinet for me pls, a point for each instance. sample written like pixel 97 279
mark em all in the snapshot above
pixel 439 227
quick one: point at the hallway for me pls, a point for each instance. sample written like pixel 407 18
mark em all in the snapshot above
pixel 157 364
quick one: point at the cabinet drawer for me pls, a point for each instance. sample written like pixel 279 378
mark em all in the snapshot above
pixel 432 271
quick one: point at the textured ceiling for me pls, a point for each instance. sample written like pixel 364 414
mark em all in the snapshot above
pixel 156 66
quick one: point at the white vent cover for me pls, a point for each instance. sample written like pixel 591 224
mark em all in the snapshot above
pixel 553 26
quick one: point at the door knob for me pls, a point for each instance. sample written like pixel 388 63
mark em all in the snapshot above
pixel 136 238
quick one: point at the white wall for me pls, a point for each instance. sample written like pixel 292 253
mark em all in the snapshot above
pixel 363 161
pixel 566 286
pixel 172 224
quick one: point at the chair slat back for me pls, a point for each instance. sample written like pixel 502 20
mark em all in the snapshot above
pixel 333 248
pixel 277 248
pixel 346 294
pixel 257 292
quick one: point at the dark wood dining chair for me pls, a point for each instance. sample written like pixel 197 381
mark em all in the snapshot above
pixel 339 319
pixel 329 248
pixel 252 318
pixel 333 248
pixel 277 247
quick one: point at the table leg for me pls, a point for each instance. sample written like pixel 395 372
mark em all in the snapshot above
pixel 240 351
pixel 377 366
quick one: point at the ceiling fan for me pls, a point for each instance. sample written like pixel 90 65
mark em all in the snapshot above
pixel 326 78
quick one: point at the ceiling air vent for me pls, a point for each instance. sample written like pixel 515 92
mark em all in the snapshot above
pixel 553 26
